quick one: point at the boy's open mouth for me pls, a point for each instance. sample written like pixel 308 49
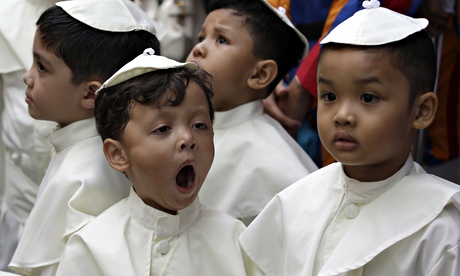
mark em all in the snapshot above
pixel 185 177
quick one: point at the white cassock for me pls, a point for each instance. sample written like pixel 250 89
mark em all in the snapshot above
pixel 329 224
pixel 134 239
pixel 255 158
pixel 79 185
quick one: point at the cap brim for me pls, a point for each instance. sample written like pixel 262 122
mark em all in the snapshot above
pixel 144 64
pixel 109 15
pixel 375 26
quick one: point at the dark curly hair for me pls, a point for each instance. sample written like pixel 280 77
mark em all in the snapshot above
pixel 112 105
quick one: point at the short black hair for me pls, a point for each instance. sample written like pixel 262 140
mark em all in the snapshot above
pixel 273 38
pixel 87 51
pixel 414 56
pixel 168 86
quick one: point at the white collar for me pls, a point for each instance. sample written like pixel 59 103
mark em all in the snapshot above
pixel 238 115
pixel 163 224
pixel 365 192
pixel 70 134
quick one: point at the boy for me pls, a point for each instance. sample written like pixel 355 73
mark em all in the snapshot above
pixel 242 44
pixel 376 212
pixel 76 47
pixel 155 117
pixel 27 150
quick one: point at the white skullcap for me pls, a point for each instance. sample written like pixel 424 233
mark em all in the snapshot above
pixel 144 63
pixel 375 25
pixel 281 13
pixel 109 15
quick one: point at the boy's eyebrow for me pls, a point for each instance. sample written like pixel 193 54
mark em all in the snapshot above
pixel 41 58
pixel 323 80
pixel 369 80
pixel 362 81
pixel 224 29
pixel 199 109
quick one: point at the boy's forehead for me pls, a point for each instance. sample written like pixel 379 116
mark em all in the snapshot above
pixel 374 57
pixel 373 26
pixel 109 15
pixel 225 21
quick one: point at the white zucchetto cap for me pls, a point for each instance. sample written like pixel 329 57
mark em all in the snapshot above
pixel 281 12
pixel 144 63
pixel 109 15
pixel 375 25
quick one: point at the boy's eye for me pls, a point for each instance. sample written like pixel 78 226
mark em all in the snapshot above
pixel 200 126
pixel 162 129
pixel 222 40
pixel 41 68
pixel 328 97
pixel 369 98
pixel 200 39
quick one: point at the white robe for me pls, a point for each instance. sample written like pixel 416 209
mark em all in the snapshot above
pixel 255 158
pixel 79 184
pixel 134 239
pixel 329 224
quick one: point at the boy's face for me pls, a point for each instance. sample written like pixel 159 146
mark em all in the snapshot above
pixel 364 118
pixel 224 49
pixel 50 93
pixel 169 150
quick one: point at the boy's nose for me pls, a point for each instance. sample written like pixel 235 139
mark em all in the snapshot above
pixel 187 141
pixel 28 80
pixel 199 50
pixel 345 115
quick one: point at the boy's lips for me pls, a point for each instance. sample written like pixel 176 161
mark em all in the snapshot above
pixel 28 98
pixel 344 141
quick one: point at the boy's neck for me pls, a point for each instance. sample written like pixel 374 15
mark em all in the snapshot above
pixel 78 119
pixel 374 173
pixel 241 98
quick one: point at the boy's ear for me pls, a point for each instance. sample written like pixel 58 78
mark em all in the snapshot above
pixel 264 73
pixel 115 155
pixel 90 94
pixel 425 110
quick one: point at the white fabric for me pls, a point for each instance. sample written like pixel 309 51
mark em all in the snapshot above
pixel 109 15
pixel 255 159
pixel 27 149
pixel 2 150
pixel 132 238
pixel 408 225
pixel 10 232
pixel 144 63
pixel 357 195
pixel 375 26
pixel 179 21
pixel 78 185
pixel 4 273
pixel 17 29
